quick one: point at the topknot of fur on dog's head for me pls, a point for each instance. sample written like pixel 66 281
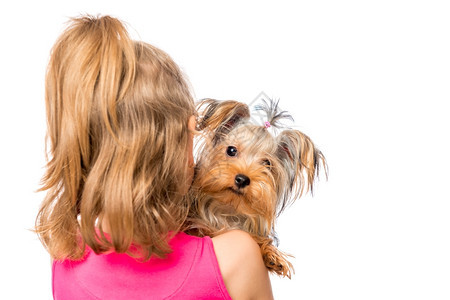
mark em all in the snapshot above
pixel 273 115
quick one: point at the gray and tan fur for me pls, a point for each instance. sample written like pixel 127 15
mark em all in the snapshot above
pixel 245 176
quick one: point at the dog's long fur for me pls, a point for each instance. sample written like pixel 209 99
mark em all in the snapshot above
pixel 245 176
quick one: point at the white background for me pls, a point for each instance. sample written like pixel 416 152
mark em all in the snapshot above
pixel 366 80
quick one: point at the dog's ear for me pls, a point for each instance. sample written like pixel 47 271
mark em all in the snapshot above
pixel 302 161
pixel 220 117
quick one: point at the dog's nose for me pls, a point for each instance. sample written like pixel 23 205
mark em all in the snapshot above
pixel 241 180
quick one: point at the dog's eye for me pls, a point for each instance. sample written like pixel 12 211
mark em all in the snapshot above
pixel 267 163
pixel 231 151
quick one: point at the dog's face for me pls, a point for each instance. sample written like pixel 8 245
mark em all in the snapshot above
pixel 246 167
pixel 241 169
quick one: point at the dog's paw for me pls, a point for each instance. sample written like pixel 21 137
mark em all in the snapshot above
pixel 276 262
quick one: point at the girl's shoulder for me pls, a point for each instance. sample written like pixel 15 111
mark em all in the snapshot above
pixel 241 265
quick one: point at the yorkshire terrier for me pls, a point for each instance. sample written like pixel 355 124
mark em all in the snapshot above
pixel 245 176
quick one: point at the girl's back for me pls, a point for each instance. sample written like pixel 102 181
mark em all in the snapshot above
pixel 191 271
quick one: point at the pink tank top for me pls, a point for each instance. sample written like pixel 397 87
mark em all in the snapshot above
pixel 191 271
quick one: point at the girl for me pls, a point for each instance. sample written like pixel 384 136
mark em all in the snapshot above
pixel 120 122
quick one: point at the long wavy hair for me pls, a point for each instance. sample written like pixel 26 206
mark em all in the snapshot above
pixel 117 114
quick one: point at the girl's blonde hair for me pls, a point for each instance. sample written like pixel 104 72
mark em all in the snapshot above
pixel 117 114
